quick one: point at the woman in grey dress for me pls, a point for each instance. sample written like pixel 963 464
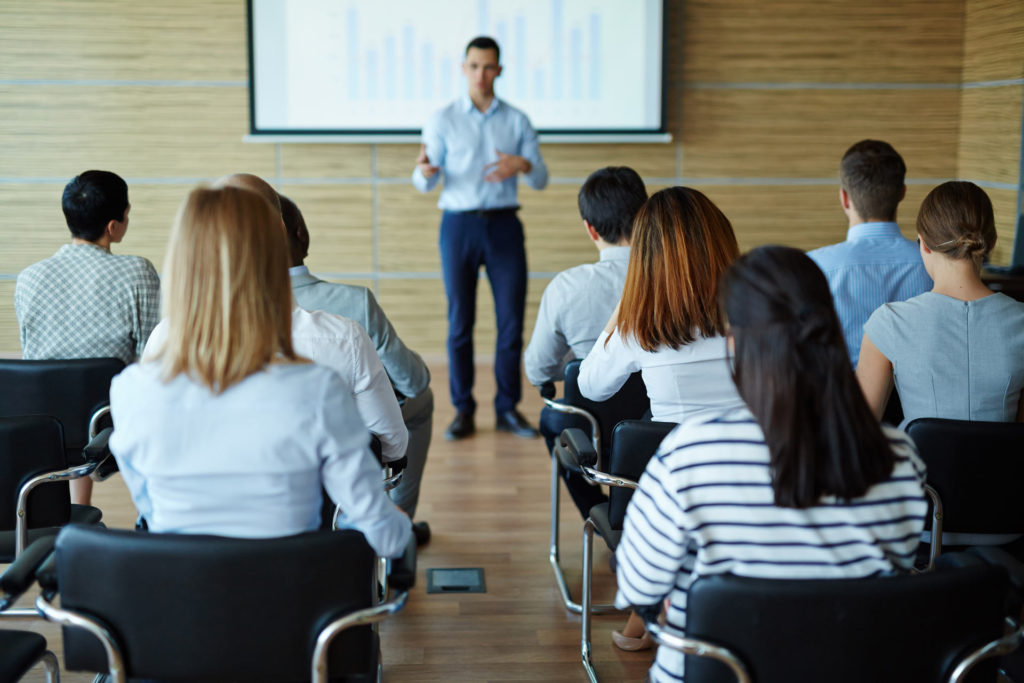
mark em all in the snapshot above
pixel 957 351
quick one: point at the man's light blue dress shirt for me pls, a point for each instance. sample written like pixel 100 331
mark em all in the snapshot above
pixel 874 266
pixel 461 140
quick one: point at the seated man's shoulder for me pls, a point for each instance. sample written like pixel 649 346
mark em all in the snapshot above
pixel 323 323
pixel 350 301
pixel 138 266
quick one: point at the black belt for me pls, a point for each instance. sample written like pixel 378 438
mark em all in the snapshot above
pixel 489 213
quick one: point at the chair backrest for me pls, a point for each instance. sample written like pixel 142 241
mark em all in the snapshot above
pixel 899 628
pixel 70 390
pixel 633 444
pixel 31 445
pixel 208 607
pixel 977 469
pixel 629 403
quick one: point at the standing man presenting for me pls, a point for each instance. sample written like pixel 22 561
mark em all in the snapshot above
pixel 481 145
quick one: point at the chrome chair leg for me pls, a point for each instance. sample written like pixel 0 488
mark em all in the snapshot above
pixel 52 667
pixel 588 567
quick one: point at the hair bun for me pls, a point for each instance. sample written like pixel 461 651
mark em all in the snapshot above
pixel 969 245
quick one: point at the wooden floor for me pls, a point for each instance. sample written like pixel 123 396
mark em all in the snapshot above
pixel 486 499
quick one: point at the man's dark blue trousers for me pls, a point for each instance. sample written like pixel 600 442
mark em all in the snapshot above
pixel 492 239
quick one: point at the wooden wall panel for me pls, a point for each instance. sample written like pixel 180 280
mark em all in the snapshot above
pixel 325 161
pixel 804 133
pixel 9 340
pixel 153 132
pixel 657 160
pixel 555 238
pixel 121 39
pixel 397 161
pixel 990 129
pixel 1004 204
pixel 738 41
pixel 407 229
pixel 993 40
pixel 33 225
pixel 340 223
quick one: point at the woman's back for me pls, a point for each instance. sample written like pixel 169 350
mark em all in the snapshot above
pixel 706 502
pixel 954 359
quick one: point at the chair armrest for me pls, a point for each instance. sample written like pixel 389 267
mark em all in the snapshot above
pixel 46 575
pixel 575 450
pixel 547 390
pixel 698 648
pixel 402 573
pixel 997 556
pixel 21 574
pixel 97 450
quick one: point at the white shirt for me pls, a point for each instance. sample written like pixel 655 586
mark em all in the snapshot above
pixel 573 311
pixel 681 382
pixel 342 345
pixel 250 461
pixel 705 505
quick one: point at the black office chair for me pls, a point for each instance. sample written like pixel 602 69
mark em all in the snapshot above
pixel 977 469
pixel 629 403
pixel 633 444
pixel 34 496
pixel 20 651
pixel 937 626
pixel 177 607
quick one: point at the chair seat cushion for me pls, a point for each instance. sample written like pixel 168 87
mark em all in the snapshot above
pixel 85 514
pixel 80 514
pixel 19 652
pixel 599 516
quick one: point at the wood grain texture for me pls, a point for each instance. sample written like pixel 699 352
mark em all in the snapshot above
pixel 743 41
pixel 340 223
pixel 804 133
pixel 990 129
pixel 325 161
pixel 121 39
pixel 993 40
pixel 1004 204
pixel 407 229
pixel 9 340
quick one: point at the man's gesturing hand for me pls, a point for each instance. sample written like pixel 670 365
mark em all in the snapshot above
pixel 424 163
pixel 505 167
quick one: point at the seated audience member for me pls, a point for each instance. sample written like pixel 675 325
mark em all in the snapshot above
pixel 802 482
pixel 577 302
pixel 958 350
pixel 668 325
pixel 339 343
pixel 409 375
pixel 228 430
pixel 876 264
pixel 84 301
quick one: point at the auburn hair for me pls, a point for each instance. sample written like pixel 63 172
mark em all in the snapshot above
pixel 681 245
pixel 226 292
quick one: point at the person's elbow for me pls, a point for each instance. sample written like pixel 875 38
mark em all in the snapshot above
pixel 390 535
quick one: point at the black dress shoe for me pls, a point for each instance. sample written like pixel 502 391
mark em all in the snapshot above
pixel 421 530
pixel 512 421
pixel 461 427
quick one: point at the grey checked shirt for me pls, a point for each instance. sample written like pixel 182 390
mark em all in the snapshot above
pixel 85 302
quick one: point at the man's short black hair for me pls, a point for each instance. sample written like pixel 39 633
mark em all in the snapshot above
pixel 609 200
pixel 295 228
pixel 872 173
pixel 485 43
pixel 91 200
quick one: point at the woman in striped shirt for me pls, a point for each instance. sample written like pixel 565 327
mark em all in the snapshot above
pixel 801 483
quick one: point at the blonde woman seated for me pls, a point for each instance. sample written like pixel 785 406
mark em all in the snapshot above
pixel 957 351
pixel 228 431
pixel 667 324
pixel 802 482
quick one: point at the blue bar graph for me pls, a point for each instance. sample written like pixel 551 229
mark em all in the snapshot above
pixel 353 55
pixel 408 63
pixel 538 84
pixel 447 82
pixel 427 64
pixel 595 57
pixel 371 75
pixel 576 63
pixel 390 68
pixel 556 50
pixel 483 19
pixel 520 55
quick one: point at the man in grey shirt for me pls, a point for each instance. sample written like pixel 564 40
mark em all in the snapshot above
pixel 577 303
pixel 408 373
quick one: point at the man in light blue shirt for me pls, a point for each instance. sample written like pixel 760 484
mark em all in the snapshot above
pixel 481 145
pixel 876 264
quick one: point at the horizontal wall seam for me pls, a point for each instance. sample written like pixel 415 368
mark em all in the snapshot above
pixel 118 82
pixel 382 275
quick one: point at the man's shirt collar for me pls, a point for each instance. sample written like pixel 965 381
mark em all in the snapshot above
pixel 875 230
pixel 468 106
pixel 298 270
pixel 615 254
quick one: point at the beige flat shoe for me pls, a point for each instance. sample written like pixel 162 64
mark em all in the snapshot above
pixel 644 642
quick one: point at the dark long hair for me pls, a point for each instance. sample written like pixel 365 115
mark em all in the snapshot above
pixel 793 371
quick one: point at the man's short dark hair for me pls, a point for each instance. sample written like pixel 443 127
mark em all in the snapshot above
pixel 872 173
pixel 485 43
pixel 91 200
pixel 609 200
pixel 295 227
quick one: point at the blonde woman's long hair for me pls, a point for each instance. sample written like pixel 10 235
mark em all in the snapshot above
pixel 226 290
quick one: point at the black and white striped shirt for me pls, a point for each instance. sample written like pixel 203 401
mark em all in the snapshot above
pixel 705 506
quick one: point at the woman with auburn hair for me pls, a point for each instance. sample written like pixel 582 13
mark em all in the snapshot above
pixel 801 482
pixel 227 430
pixel 957 351
pixel 667 324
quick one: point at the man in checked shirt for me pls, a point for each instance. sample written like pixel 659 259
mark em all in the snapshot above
pixel 84 301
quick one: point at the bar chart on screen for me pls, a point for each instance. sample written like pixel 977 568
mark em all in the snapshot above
pixel 570 64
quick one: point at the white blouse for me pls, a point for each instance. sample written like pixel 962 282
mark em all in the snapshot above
pixel 249 462
pixel 680 382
